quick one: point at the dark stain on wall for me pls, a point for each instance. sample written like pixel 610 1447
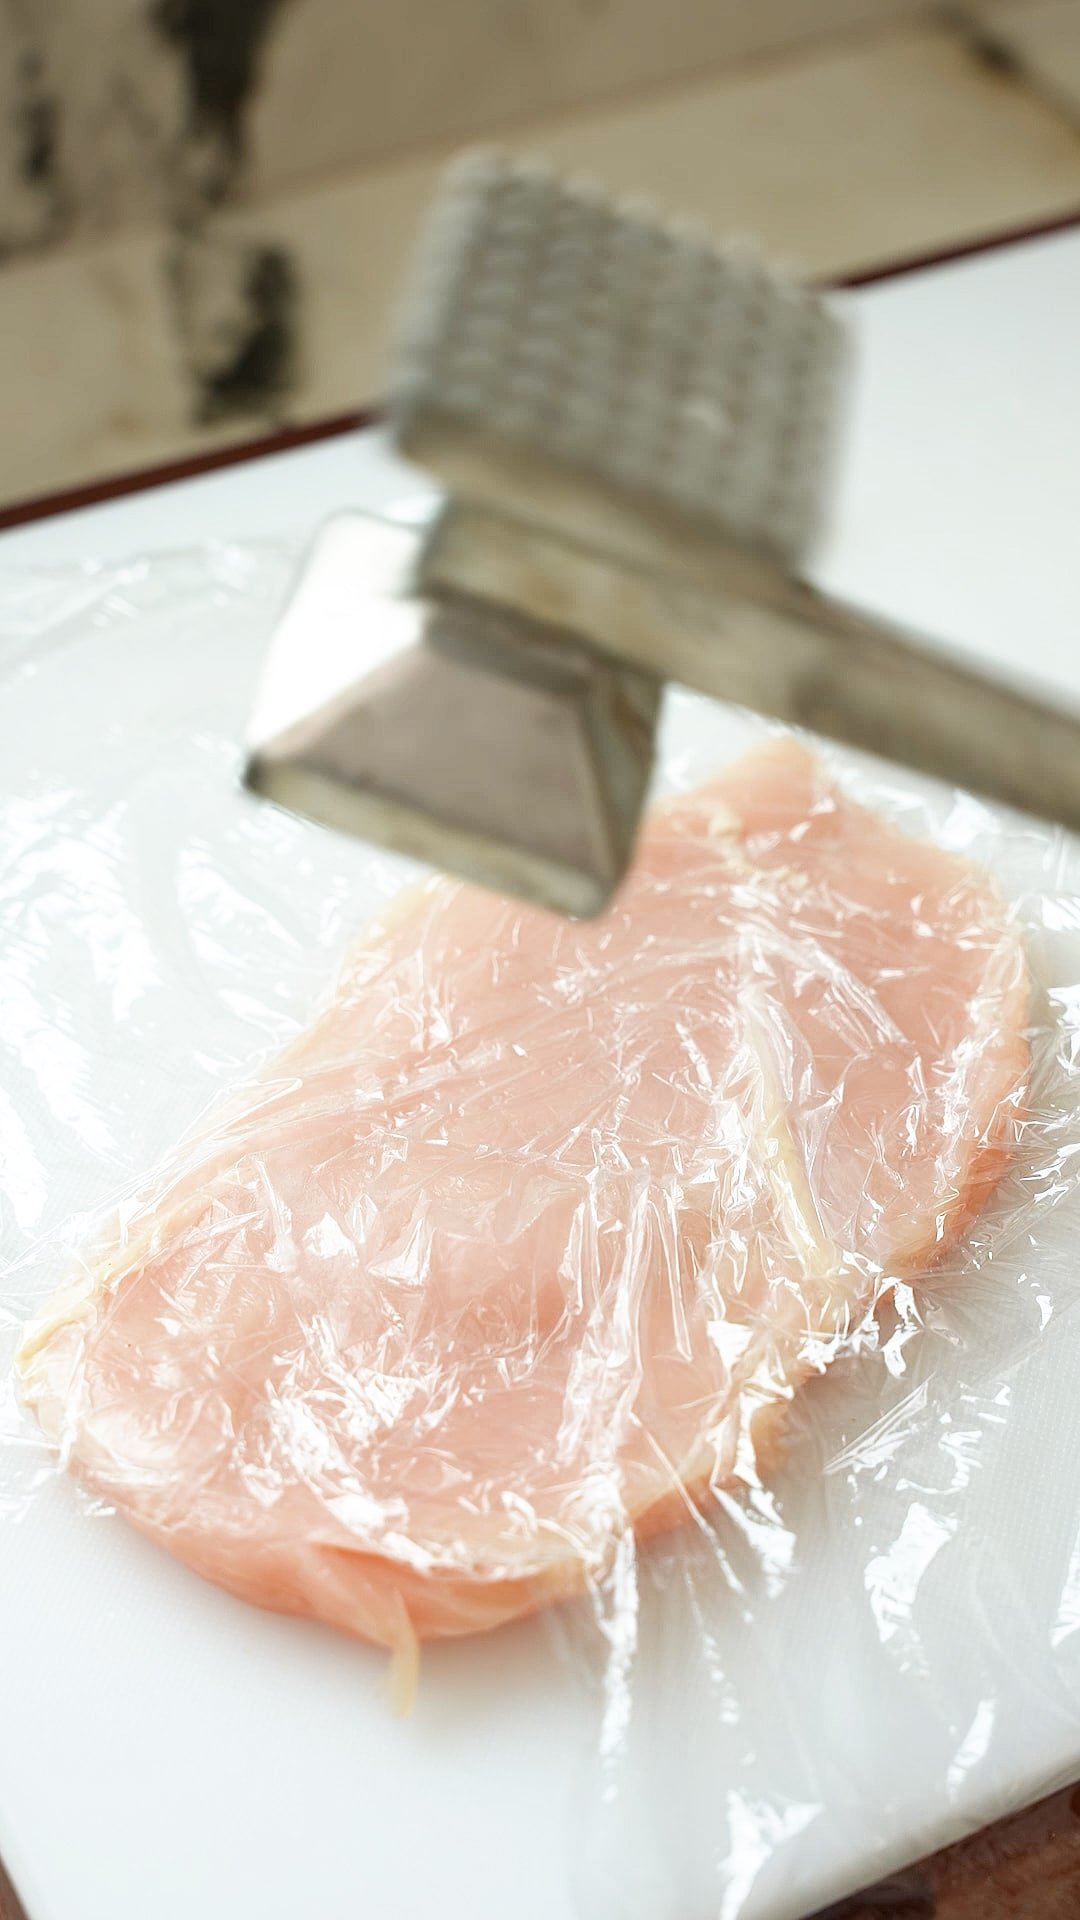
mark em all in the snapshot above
pixel 261 369
pixel 235 300
pixel 219 42
pixel 36 158
pixel 36 128
pixel 235 304
pixel 244 364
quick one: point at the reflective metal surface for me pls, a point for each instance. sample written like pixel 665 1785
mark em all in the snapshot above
pixel 484 696
pixel 477 739
pixel 728 623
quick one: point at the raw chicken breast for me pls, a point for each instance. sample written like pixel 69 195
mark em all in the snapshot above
pixel 533 1234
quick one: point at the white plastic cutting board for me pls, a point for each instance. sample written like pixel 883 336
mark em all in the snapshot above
pixel 168 1752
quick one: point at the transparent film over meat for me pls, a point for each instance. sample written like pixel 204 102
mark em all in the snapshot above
pixel 691 1283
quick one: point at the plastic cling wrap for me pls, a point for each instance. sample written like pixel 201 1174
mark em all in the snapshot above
pixel 691 1285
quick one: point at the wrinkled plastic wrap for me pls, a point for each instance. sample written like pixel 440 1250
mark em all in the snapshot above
pixel 700 1277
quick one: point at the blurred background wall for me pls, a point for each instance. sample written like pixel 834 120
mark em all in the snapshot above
pixel 205 204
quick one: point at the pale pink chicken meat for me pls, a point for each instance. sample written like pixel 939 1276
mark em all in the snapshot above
pixel 531 1237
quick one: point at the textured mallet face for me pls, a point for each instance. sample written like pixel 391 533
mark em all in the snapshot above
pixel 582 334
